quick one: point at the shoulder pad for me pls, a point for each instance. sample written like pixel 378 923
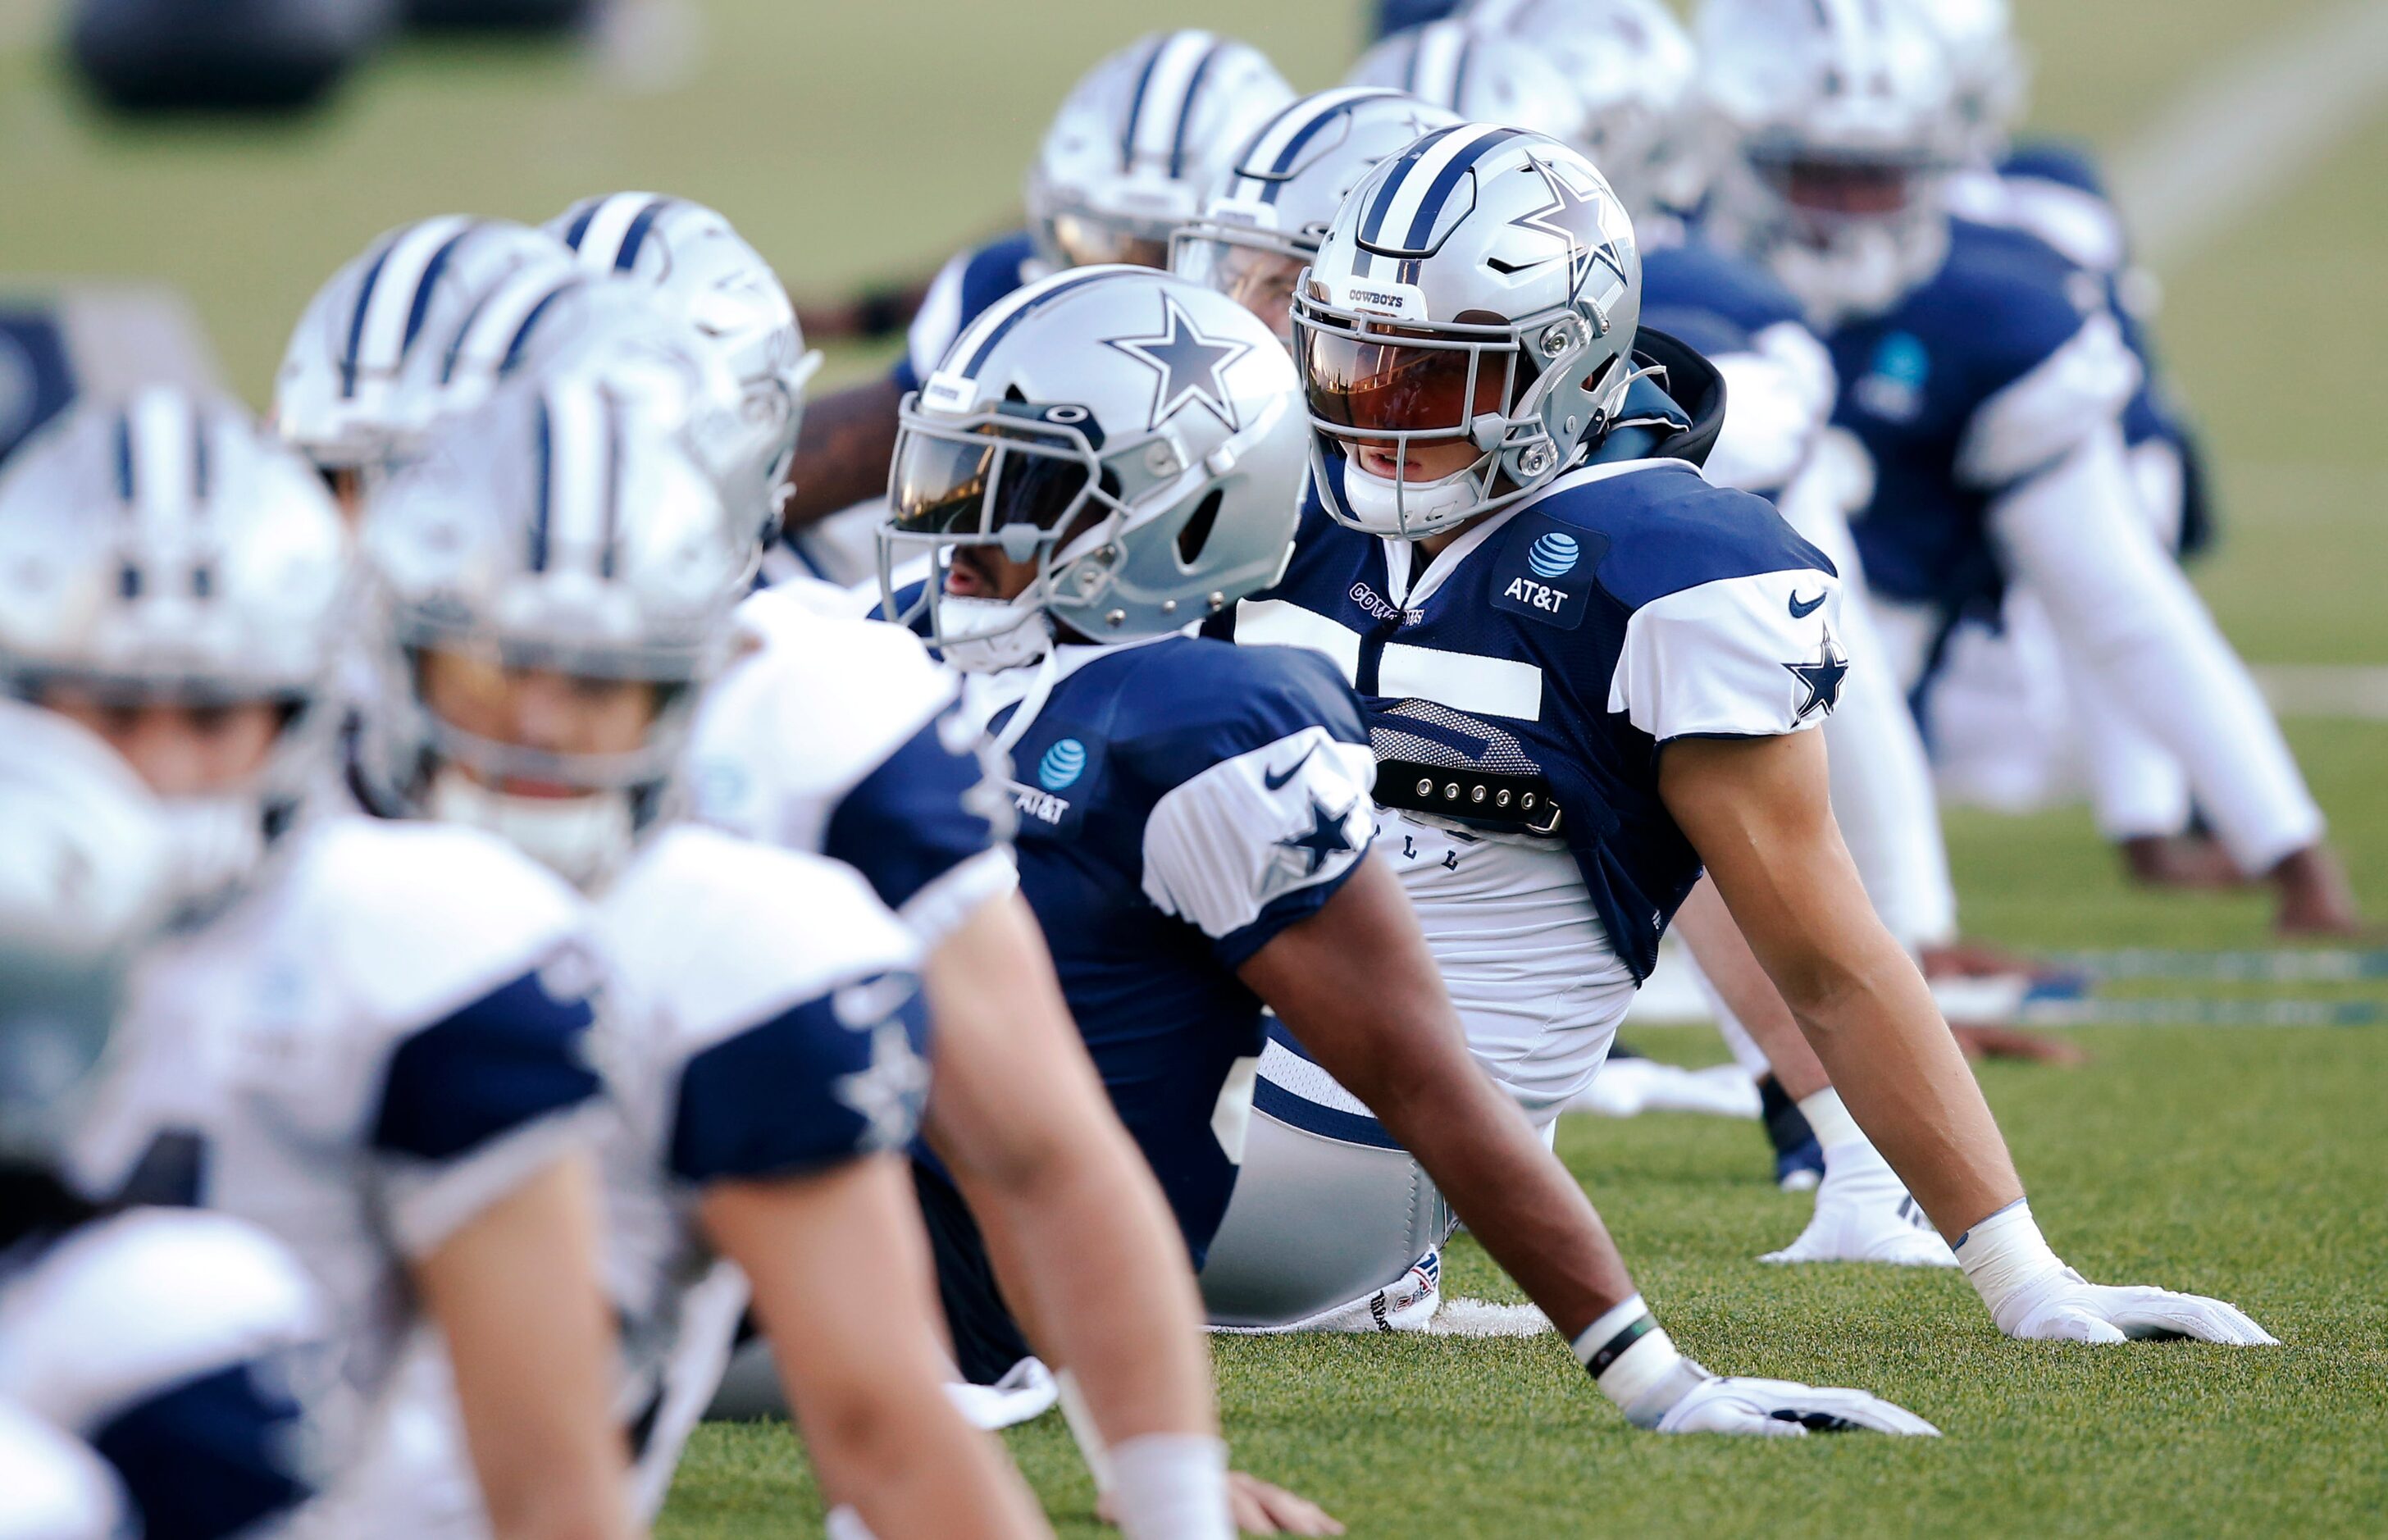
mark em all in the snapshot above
pixel 2063 160
pixel 423 917
pixel 153 1297
pixel 796 723
pixel 1656 527
pixel 724 932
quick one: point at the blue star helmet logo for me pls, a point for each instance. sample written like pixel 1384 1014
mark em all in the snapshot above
pixel 1062 764
pixel 1822 680
pixel 1554 554
pixel 1191 367
pixel 1572 217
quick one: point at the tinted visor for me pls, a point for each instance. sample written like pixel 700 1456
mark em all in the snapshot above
pixel 1379 384
pixel 975 481
pixel 1848 187
pixel 1087 240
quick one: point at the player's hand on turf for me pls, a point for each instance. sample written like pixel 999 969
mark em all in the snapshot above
pixel 1263 1507
pixel 1864 1214
pixel 2065 1307
pixel 1691 1400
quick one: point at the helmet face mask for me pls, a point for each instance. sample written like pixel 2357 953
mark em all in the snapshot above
pixel 1116 449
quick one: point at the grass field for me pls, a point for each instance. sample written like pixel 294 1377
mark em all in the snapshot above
pixel 862 141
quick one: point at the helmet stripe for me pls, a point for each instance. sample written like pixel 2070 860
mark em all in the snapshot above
pixel 1439 62
pixel 628 258
pixel 378 334
pixel 543 446
pixel 1185 111
pixel 1281 143
pixel 1403 211
pixel 973 345
pixel 1162 95
pixel 125 477
pixel 357 322
pixel 608 222
pixel 424 286
pixel 579 226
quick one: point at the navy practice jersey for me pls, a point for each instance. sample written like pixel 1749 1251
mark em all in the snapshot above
pixel 2053 188
pixel 1526 681
pixel 967 285
pixel 1180 803
pixel 1993 370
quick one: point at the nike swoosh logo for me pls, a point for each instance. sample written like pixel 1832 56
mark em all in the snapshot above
pixel 1277 782
pixel 1802 608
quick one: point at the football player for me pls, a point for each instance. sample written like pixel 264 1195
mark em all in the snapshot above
pixel 1126 160
pixel 827 734
pixel 1264 224
pixel 1483 76
pixel 558 574
pixel 1587 672
pixel 1988 380
pixel 2138 792
pixel 173 1342
pixel 1098 463
pixel 367 1038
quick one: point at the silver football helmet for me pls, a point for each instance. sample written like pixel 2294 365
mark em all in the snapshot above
pixel 1829 120
pixel 721 286
pixel 1135 437
pixel 1261 224
pixel 1480 75
pixel 162 549
pixel 560 544
pixel 1989 72
pixel 87 879
pixel 1139 140
pixel 338 399
pixel 1479 289
pixel 1631 66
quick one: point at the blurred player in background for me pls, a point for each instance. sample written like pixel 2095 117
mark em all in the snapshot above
pixel 177 1343
pixel 559 571
pixel 369 1039
pixel 1988 380
pixel 1127 159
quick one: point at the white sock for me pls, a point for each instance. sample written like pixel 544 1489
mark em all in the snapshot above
pixel 843 1524
pixel 1172 1486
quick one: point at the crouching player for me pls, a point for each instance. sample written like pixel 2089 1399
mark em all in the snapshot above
pixel 556 579
pixel 1097 463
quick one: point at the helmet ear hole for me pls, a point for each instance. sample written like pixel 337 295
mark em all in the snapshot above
pixel 1196 532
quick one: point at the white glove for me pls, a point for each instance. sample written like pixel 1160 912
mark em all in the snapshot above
pixel 1691 1400
pixel 2034 1297
pixel 1864 1214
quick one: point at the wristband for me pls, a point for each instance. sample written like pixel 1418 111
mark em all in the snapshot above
pixel 1627 1352
pixel 2004 1254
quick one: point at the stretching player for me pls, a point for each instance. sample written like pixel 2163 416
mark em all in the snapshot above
pixel 559 574
pixel 1126 160
pixel 828 735
pixel 1587 672
pixel 1097 463
pixel 365 1039
pixel 173 1342
pixel 1988 381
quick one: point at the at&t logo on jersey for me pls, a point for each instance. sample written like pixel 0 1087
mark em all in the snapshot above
pixel 1531 577
pixel 1893 386
pixel 1063 763
pixel 1060 767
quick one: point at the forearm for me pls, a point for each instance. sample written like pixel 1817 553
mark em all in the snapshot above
pixel 843 452
pixel 1076 1225
pixel 1717 945
pixel 530 1340
pixel 867 1396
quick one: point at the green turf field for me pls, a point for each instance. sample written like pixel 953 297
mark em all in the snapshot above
pixel 868 140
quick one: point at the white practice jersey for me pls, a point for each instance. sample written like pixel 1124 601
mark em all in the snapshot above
pixel 52 1487
pixel 180 1346
pixel 384 1036
pixel 834 736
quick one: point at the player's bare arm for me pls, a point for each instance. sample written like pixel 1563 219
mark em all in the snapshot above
pixel 842 450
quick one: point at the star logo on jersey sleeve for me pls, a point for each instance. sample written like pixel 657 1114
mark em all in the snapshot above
pixel 1822 679
pixel 1191 365
pixel 1565 218
pixel 1326 838
pixel 887 1096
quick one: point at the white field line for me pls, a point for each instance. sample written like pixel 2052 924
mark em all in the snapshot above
pixel 2238 135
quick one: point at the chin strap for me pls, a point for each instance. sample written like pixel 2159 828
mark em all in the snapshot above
pixel 1040 690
